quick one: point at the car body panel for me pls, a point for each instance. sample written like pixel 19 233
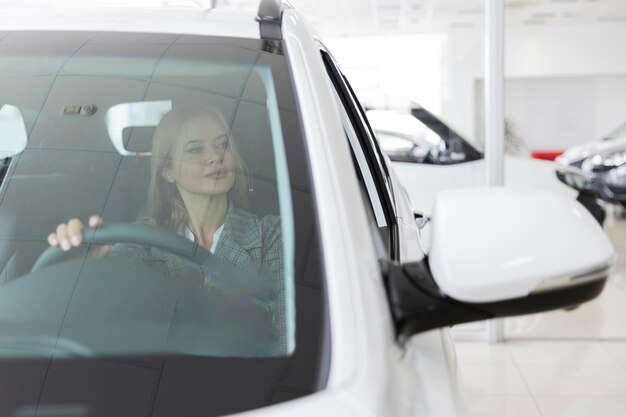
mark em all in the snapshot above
pixel 363 348
pixel 309 77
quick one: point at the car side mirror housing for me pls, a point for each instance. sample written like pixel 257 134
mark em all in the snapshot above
pixel 499 252
pixel 421 219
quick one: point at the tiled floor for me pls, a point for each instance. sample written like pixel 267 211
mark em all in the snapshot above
pixel 556 364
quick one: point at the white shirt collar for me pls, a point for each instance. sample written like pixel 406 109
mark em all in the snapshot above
pixel 216 236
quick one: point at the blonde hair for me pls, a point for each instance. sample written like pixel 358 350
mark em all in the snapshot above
pixel 165 204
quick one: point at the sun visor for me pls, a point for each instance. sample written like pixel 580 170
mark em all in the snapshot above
pixel 12 131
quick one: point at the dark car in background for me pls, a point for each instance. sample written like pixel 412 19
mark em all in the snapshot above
pixel 597 169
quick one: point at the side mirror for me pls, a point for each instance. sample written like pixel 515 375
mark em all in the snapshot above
pixel 499 252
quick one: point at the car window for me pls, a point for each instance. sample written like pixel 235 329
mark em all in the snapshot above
pixel 165 137
pixel 369 162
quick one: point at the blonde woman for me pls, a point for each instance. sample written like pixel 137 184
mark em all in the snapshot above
pixel 198 189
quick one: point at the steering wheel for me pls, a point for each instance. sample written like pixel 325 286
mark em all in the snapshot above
pixel 145 235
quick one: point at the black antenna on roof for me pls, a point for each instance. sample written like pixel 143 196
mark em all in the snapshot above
pixel 269 17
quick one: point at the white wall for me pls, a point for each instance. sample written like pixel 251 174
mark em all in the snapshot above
pixel 440 71
pixel 409 65
pixel 566 50
pixel 555 113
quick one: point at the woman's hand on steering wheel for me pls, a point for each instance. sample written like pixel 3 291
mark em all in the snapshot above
pixel 70 234
pixel 138 234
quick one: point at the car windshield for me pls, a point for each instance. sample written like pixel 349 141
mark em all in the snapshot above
pixel 201 292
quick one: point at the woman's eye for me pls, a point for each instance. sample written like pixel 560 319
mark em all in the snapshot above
pixel 194 149
pixel 221 144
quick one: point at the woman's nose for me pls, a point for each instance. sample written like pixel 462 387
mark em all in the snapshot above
pixel 213 158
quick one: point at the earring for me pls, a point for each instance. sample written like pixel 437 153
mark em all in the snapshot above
pixel 249 181
pixel 168 176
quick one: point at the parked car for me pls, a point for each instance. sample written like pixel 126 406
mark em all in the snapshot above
pixel 314 296
pixel 597 169
pixel 419 136
pixel 430 156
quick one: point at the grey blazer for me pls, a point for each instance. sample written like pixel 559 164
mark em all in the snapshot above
pixel 249 243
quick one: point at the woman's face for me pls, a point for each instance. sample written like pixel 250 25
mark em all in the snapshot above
pixel 202 162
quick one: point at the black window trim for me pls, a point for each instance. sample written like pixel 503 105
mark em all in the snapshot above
pixel 373 156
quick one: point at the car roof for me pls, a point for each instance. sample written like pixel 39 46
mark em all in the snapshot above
pixel 182 16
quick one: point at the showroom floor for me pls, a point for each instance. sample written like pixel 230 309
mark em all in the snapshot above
pixel 556 364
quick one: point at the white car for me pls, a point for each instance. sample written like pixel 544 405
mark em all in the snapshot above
pixel 340 313
pixel 429 156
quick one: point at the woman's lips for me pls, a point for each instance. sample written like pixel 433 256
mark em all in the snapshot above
pixel 217 175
